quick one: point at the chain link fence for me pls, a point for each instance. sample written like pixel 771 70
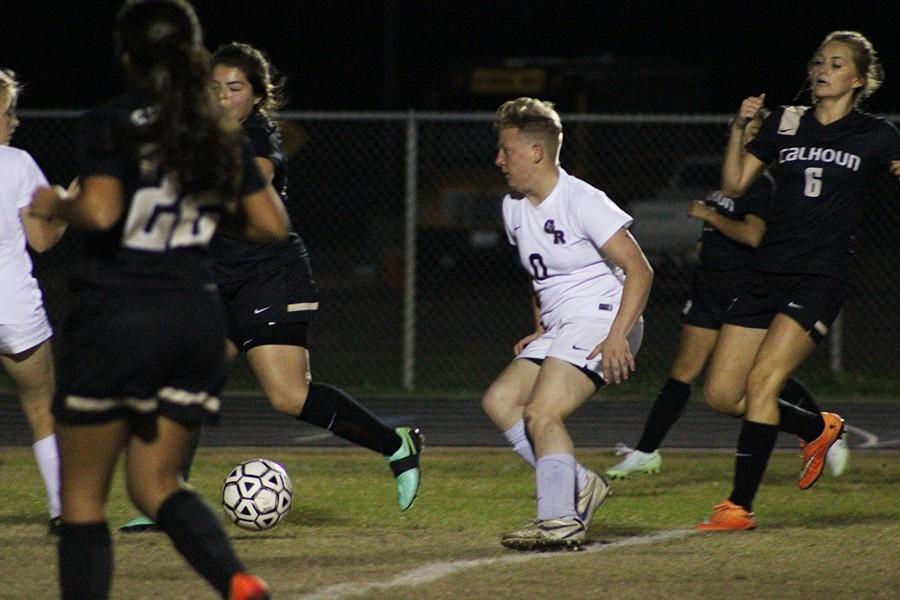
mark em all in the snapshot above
pixel 420 289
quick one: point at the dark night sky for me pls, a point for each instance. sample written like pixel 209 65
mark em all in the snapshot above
pixel 402 54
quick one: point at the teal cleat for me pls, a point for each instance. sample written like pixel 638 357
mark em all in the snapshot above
pixel 139 525
pixel 404 464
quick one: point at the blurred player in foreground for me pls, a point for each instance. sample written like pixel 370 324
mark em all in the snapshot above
pixel 271 297
pixel 142 357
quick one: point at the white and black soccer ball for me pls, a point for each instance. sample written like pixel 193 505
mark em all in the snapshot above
pixel 257 494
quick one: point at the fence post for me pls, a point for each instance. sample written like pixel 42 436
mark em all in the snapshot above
pixel 409 284
pixel 836 346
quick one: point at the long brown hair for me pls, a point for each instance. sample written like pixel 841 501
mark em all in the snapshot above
pixel 160 45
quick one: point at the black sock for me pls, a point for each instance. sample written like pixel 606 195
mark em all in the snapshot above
pixel 803 423
pixel 198 535
pixel 189 460
pixel 797 394
pixel 755 445
pixel 330 408
pixel 667 408
pixel 85 561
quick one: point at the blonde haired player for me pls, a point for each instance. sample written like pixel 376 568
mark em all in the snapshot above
pixel 591 282
pixel 25 350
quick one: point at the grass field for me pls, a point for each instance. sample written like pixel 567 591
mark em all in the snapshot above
pixel 345 539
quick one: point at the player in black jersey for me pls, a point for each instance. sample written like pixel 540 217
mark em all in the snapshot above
pixel 142 355
pixel 733 228
pixel 823 156
pixel 271 297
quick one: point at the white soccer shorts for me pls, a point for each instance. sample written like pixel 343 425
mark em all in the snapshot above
pixel 573 340
pixel 26 332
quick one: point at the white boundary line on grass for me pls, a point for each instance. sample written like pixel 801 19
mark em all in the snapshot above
pixel 438 570
pixel 872 440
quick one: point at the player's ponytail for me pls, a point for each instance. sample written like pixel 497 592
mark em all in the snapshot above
pixel 159 42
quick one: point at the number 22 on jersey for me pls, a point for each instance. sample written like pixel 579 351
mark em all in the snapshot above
pixel 159 219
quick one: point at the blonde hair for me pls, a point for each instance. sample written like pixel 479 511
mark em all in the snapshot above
pixel 865 58
pixel 534 117
pixel 9 88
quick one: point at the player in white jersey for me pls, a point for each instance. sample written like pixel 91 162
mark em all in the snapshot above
pixel 574 242
pixel 25 350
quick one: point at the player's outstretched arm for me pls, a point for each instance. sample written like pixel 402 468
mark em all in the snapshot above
pixel 748 231
pixel 740 168
pixel 266 219
pixel 538 328
pixel 617 359
pixel 98 205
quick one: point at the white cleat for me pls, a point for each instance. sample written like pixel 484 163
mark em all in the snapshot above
pixel 635 462
pixel 591 497
pixel 838 457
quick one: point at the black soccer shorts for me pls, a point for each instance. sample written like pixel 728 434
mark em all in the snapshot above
pixel 272 308
pixel 142 353
pixel 814 301
pixel 711 294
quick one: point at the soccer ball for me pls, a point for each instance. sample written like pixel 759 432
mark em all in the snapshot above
pixel 257 494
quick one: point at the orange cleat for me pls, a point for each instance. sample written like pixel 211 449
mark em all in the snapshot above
pixel 728 516
pixel 814 453
pixel 245 586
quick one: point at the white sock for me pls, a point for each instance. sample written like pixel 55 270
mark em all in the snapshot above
pixel 556 486
pixel 581 477
pixel 518 438
pixel 48 463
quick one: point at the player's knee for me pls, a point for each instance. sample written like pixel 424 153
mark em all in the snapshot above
pixel 685 371
pixel 496 402
pixel 289 401
pixel 723 398
pixel 538 421
pixel 764 382
pixel 149 490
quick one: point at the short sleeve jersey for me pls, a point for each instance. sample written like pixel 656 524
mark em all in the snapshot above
pixel 237 259
pixel 19 177
pixel 820 172
pixel 162 238
pixel 718 252
pixel 559 243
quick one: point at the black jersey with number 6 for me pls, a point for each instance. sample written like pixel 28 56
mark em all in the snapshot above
pixel 161 240
pixel 820 172
pixel 237 259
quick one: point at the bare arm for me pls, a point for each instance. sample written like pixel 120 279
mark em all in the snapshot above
pixel 266 168
pixel 42 234
pixel 266 219
pixel 538 327
pixel 97 206
pixel 740 168
pixel 617 359
pixel 748 231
